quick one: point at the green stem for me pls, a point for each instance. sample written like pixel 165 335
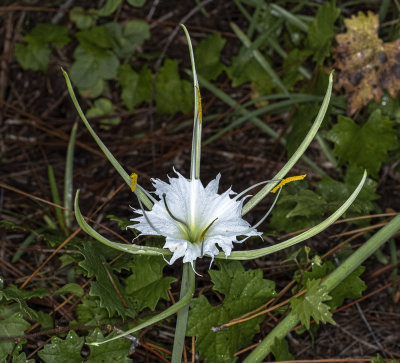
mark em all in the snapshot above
pixel 181 323
pixel 334 279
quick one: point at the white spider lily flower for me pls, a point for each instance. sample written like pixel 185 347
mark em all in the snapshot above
pixel 194 219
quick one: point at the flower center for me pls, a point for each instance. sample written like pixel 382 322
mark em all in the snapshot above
pixel 191 232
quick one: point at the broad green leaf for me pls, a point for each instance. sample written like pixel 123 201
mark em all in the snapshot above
pixel 96 39
pixel 246 69
pixel 366 146
pixel 88 69
pixel 312 304
pixel 290 70
pixel 335 192
pixel 45 320
pixel 49 33
pixel 83 19
pixel 321 31
pixel 280 350
pixel 207 54
pixel 147 285
pixel 136 87
pixel 297 208
pixel 12 326
pixel 115 351
pixel 136 3
pixel 90 312
pixel 70 288
pixel 123 223
pixel 107 286
pixel 35 53
pixel 172 93
pixel 19 357
pixel 103 107
pixel 66 350
pixel 351 287
pixel 134 35
pixel 244 291
pixel 109 7
pixel 13 293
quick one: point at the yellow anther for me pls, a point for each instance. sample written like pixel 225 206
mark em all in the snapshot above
pixel 199 104
pixel 133 181
pixel 288 180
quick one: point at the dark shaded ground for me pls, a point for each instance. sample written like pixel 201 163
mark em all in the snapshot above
pixel 36 117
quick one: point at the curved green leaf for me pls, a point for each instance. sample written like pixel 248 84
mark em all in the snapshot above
pixel 139 191
pixel 296 156
pixel 133 249
pixel 248 255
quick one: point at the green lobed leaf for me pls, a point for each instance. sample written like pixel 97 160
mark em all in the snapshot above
pixel 111 293
pixel 136 87
pixel 70 288
pixel 90 312
pixel 172 93
pixel 280 350
pixel 312 305
pixel 83 19
pixel 147 285
pixel 96 39
pixel 335 192
pixel 207 54
pixel 35 53
pixel 17 356
pixel 244 291
pixel 123 223
pixel 66 350
pixel 88 69
pixel 125 40
pixel 12 326
pixel 114 351
pixel 109 7
pixel 246 69
pixel 351 287
pixel 290 71
pixel 134 35
pixel 50 33
pixel 366 146
pixel 103 107
pixel 321 31
pixel 13 293
pixel 297 208
pixel 136 3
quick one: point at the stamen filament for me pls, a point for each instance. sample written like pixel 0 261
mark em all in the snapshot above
pixel 169 212
pixel 255 186
pixel 203 234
